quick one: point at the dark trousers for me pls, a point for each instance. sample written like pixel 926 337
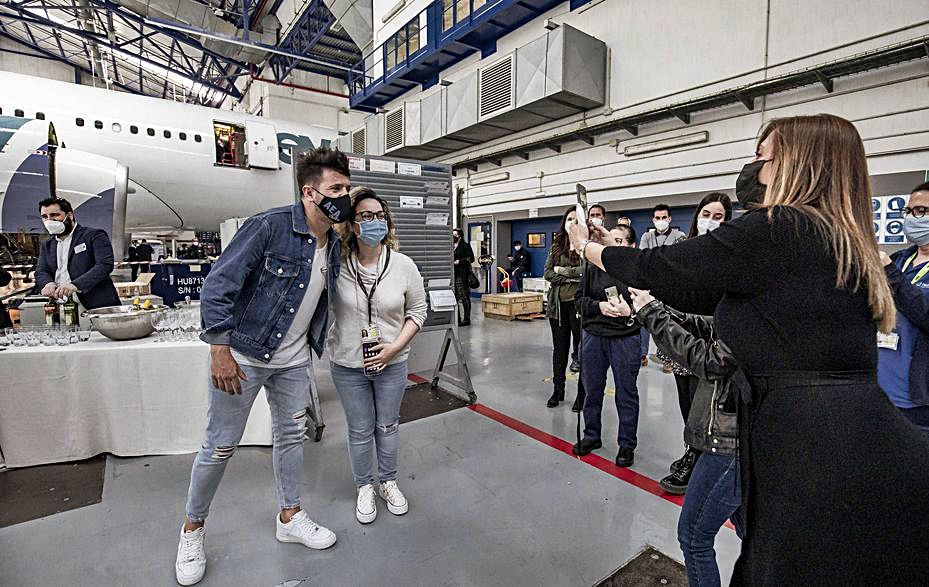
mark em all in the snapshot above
pixel 136 269
pixel 621 354
pixel 562 335
pixel 517 276
pixel 686 388
pixel 714 494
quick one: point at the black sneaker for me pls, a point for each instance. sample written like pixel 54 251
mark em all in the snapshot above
pixel 557 397
pixel 676 482
pixel 625 457
pixel 586 446
pixel 575 366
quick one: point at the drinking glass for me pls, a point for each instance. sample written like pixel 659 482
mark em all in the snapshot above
pixel 83 335
pixel 159 320
pixel 5 340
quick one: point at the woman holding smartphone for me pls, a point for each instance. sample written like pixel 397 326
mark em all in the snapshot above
pixel 379 306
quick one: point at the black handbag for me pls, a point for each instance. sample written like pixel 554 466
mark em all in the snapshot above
pixel 473 281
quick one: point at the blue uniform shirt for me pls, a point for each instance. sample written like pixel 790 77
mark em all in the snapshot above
pixel 893 366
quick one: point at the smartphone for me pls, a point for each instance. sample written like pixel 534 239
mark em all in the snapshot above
pixel 580 210
pixel 612 294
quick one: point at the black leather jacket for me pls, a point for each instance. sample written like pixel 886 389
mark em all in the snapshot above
pixel 690 340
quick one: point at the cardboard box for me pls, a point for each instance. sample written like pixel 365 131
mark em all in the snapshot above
pixel 143 282
pixel 507 306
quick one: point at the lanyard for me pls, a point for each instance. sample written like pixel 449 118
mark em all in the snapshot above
pixel 358 280
pixel 922 272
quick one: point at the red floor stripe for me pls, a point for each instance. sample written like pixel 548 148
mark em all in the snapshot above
pixel 607 466
pixel 416 378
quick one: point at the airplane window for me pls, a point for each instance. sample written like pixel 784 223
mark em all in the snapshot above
pixel 40 116
pixel 134 129
pixel 79 121
pixel 182 136
pixel 19 113
pixel 98 125
pixel 150 132
pixel 167 134
pixel 197 138
pixel 117 127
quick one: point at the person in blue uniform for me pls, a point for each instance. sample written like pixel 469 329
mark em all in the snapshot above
pixel 903 355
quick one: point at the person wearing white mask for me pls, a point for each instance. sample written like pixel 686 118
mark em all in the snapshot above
pixel 78 260
pixel 379 306
pixel 903 355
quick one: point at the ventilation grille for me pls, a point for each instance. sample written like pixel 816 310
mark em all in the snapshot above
pixel 358 142
pixel 496 87
pixel 394 130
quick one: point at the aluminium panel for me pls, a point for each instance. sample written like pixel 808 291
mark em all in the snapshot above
pixel 374 134
pixel 461 103
pixel 432 116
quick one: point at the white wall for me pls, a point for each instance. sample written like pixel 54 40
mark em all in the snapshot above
pixel 37 66
pixel 667 51
pixel 328 109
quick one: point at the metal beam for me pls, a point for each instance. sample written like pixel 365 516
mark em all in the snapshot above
pixel 682 116
pixel 824 80
pixel 587 139
pixel 632 129
pixel 746 101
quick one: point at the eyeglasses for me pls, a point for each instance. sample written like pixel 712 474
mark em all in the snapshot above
pixel 369 216
pixel 916 211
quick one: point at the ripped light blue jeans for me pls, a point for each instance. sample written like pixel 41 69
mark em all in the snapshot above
pixel 372 411
pixel 287 391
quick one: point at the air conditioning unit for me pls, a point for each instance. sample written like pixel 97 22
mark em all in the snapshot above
pixel 497 87
pixel 359 145
pixel 402 127
pixel 374 134
pixel 344 143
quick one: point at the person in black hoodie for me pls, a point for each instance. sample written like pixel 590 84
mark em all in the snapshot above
pixel 610 340
pixel 464 256
pixel 715 491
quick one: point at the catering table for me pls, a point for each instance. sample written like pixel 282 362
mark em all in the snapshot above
pixel 128 398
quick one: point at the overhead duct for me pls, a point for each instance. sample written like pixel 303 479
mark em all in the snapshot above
pixel 200 16
pixel 356 17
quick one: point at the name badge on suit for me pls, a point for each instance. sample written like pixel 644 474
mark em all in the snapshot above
pixel 80 248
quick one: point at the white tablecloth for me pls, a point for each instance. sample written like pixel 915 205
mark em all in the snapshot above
pixel 129 398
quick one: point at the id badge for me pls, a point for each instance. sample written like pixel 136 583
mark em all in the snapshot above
pixel 888 341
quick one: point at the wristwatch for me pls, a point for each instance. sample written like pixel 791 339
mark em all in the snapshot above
pixel 583 247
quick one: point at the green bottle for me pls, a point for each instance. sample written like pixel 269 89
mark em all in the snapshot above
pixel 71 317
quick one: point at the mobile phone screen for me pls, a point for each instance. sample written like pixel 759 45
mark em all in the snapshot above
pixel 581 210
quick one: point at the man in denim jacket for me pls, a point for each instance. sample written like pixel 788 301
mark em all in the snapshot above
pixel 263 306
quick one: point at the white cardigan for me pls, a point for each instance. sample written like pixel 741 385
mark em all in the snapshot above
pixel 399 296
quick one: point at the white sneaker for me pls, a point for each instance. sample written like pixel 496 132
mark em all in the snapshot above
pixel 191 558
pixel 302 529
pixel 366 506
pixel 396 501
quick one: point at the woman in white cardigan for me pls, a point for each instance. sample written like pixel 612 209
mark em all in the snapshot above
pixel 380 298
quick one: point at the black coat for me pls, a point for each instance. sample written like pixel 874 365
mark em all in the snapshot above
pixel 5 279
pixel 465 256
pixel 521 261
pixel 89 267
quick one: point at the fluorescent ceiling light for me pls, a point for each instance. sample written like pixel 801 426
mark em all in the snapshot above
pixel 493 178
pixel 668 143
pixel 393 11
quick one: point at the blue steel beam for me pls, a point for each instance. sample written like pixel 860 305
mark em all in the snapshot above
pixel 312 26
pixel 171 66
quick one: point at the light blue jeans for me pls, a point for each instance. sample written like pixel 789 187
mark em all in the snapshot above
pixel 372 410
pixel 287 391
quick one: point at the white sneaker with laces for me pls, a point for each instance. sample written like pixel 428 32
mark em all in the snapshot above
pixel 366 506
pixel 191 557
pixel 303 530
pixel 396 501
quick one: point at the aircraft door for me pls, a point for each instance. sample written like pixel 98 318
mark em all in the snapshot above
pixel 262 145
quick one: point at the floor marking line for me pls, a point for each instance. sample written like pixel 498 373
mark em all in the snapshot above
pixel 607 466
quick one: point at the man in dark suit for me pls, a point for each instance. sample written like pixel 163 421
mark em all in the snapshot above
pixel 77 261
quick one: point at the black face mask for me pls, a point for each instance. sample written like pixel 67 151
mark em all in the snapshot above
pixel 748 189
pixel 337 209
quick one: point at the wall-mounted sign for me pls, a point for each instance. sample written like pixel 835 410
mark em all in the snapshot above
pixel 356 163
pixel 411 202
pixel 379 166
pixel 409 169
pixel 887 213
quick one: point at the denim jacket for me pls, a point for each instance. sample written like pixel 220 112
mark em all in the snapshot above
pixel 251 294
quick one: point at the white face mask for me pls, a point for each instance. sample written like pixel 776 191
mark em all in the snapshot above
pixel 54 226
pixel 596 221
pixel 517 247
pixel 568 225
pixel 662 225
pixel 705 225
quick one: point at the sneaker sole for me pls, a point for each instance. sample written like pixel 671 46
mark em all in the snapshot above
pixel 316 546
pixel 398 511
pixel 674 490
pixel 365 518
pixel 188 581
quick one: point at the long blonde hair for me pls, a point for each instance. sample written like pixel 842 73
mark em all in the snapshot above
pixel 819 167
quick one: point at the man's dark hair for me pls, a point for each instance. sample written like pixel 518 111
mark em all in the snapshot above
pixel 923 187
pixel 602 209
pixel 629 231
pixel 311 164
pixel 65 205
pixel 517 243
pixel 662 208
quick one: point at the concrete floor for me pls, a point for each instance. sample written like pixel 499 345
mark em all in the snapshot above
pixel 489 505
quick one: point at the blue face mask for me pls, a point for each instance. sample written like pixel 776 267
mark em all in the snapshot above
pixel 916 230
pixel 373 231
